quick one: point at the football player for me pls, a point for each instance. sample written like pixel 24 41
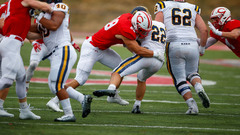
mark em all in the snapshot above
pixel 224 29
pixel 182 49
pixel 145 67
pixel 123 30
pixel 15 29
pixel 62 56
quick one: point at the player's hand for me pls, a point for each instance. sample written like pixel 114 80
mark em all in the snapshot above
pixel 159 55
pixel 36 46
pixel 214 30
pixel 76 46
pixel 201 50
pixel 34 12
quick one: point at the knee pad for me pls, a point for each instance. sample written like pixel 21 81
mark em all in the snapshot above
pixel 193 76
pixel 183 88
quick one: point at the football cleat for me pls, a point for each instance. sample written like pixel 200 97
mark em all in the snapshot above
pixel 204 98
pixel 86 105
pixel 100 93
pixel 117 99
pixel 52 105
pixel 66 118
pixel 28 114
pixel 192 109
pixel 4 113
pixel 136 109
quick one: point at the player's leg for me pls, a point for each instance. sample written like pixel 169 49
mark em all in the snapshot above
pixel 58 73
pixel 25 112
pixel 35 59
pixel 112 59
pixel 152 66
pixel 194 77
pixel 176 68
pixel 3 95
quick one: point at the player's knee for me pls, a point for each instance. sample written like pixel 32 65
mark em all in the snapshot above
pixel 183 88
pixel 82 77
pixel 193 76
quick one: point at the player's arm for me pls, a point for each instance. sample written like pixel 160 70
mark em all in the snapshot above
pixel 210 41
pixel 133 46
pixel 234 34
pixel 37 5
pixel 159 17
pixel 1 23
pixel 55 22
pixel 201 26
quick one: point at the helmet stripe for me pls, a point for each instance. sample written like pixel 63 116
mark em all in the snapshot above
pixel 149 19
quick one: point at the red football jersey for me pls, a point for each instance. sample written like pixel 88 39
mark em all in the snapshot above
pixel 18 20
pixel 3 8
pixel 105 37
pixel 234 45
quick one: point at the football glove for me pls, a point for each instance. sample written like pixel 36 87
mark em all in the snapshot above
pixel 214 30
pixel 36 46
pixel 201 50
pixel 34 12
pixel 76 46
pixel 159 55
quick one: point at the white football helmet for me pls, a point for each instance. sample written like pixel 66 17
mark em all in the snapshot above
pixel 142 23
pixel 223 15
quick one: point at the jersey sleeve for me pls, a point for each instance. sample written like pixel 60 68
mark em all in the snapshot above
pixel 234 24
pixel 61 7
pixel 128 33
pixel 197 9
pixel 159 7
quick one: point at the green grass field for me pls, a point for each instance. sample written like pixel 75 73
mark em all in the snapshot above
pixel 163 109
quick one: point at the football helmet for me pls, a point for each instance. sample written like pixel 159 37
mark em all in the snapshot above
pixel 222 14
pixel 142 23
pixel 139 8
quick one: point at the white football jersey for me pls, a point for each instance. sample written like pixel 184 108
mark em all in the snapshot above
pixel 179 18
pixel 61 37
pixel 156 38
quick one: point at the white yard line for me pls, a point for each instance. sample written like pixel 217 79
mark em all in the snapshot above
pixel 126 126
pixel 152 101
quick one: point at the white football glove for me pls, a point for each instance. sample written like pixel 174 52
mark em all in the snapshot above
pixel 159 55
pixel 214 30
pixel 201 50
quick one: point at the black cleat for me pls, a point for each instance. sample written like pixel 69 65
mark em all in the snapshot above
pixel 86 105
pixel 136 110
pixel 100 93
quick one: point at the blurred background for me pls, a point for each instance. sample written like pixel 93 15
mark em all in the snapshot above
pixel 89 16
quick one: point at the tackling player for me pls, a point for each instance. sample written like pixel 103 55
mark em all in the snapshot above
pixel 146 67
pixel 16 26
pixel 180 19
pixel 224 29
pixel 123 30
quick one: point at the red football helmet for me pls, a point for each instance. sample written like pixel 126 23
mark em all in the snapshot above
pixel 220 16
pixel 142 23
